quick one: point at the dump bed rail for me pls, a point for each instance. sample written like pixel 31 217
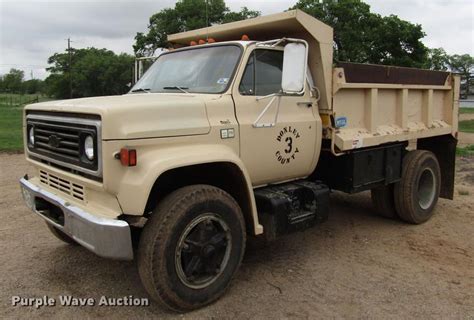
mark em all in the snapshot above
pixel 398 104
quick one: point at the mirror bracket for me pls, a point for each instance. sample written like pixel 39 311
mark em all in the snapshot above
pixel 274 96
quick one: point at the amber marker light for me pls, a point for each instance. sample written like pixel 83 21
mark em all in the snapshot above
pixel 127 157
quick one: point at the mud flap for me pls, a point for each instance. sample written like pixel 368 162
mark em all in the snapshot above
pixel 444 147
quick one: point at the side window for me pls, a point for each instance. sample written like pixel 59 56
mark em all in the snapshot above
pixel 262 75
pixel 247 85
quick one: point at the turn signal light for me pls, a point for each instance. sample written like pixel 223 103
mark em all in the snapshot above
pixel 128 157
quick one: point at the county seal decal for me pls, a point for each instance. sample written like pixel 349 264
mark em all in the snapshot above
pixel 288 136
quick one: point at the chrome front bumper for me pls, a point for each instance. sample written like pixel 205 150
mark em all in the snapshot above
pixel 108 238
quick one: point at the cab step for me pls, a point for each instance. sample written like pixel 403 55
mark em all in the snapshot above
pixel 291 207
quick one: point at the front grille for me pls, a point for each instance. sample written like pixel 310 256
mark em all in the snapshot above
pixel 70 188
pixel 60 140
pixel 57 139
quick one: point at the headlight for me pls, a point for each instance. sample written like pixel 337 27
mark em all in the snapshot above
pixel 31 135
pixel 89 147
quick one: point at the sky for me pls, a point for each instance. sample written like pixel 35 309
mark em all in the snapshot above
pixel 33 30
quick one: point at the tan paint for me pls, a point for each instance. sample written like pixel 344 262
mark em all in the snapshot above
pixel 96 201
pixel 175 130
pixel 382 113
pixel 159 115
pixel 265 150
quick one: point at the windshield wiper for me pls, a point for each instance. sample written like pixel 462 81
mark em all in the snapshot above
pixel 142 90
pixel 183 89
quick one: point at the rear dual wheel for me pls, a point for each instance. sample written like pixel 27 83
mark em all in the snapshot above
pixel 415 196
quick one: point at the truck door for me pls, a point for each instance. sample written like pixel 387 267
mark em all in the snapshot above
pixel 280 135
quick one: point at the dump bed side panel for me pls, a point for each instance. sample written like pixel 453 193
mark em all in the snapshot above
pixel 375 104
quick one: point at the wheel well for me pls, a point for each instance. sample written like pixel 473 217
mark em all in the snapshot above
pixel 224 175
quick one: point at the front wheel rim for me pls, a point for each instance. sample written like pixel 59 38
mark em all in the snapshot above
pixel 426 188
pixel 203 251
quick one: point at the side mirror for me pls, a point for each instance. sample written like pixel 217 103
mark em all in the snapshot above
pixel 295 61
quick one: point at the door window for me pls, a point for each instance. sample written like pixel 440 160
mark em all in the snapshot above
pixel 262 75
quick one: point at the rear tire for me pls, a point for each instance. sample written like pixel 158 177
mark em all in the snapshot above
pixel 384 202
pixel 191 247
pixel 417 193
pixel 61 235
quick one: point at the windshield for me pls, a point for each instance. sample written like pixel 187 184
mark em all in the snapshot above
pixel 200 70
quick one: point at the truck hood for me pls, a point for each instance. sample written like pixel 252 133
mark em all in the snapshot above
pixel 136 116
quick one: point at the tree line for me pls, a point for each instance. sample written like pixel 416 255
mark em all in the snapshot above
pixel 14 82
pixel 88 72
pixel 359 36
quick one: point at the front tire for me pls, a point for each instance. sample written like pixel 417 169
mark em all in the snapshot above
pixel 417 193
pixel 191 247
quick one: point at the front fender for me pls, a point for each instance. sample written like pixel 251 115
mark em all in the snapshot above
pixel 136 183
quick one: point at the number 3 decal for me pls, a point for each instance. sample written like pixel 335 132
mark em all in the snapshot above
pixel 286 151
pixel 289 140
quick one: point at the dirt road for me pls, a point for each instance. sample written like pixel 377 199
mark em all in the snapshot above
pixel 356 265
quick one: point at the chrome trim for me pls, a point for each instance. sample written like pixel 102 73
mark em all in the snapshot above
pixel 108 238
pixel 95 123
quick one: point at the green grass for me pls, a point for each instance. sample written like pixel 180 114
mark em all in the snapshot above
pixel 11 135
pixel 466 110
pixel 466 126
pixel 11 111
pixel 466 151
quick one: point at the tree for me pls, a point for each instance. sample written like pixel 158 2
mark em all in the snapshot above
pixel 437 59
pixel 32 86
pixel 12 81
pixel 398 42
pixel 463 64
pixel 186 15
pixel 366 37
pixel 94 72
pixel 243 14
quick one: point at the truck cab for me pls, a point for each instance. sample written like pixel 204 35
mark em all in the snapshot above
pixel 242 135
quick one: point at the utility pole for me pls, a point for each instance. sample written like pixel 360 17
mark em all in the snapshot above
pixel 70 66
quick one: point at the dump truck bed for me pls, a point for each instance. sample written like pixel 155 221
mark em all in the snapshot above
pixel 374 104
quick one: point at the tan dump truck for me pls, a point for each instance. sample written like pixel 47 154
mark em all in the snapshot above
pixel 234 138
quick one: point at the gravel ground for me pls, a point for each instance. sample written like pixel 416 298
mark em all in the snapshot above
pixel 356 265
